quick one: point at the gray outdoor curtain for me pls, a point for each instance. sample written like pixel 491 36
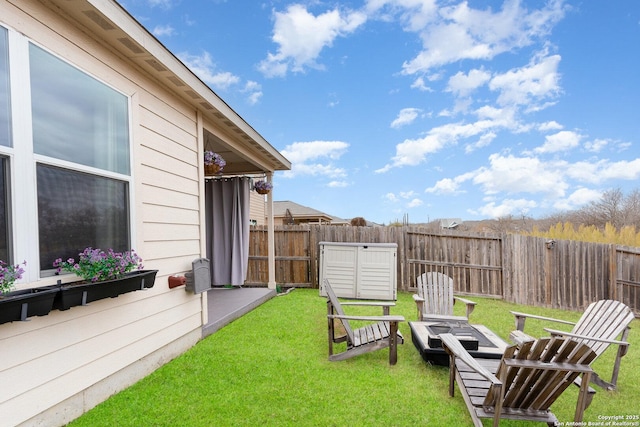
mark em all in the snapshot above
pixel 227 225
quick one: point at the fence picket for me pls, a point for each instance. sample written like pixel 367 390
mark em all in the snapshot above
pixel 521 269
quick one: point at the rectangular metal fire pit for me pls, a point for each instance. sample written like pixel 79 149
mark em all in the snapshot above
pixel 477 339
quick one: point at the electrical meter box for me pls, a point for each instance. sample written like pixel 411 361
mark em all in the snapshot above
pixel 359 270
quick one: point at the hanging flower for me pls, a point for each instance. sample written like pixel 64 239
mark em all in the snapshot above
pixel 211 158
pixel 262 187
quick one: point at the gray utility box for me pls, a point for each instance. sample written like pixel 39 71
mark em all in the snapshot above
pixel 359 270
pixel 199 278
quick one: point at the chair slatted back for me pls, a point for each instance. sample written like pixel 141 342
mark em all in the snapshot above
pixel 604 319
pixel 537 387
pixel 437 290
pixel 337 308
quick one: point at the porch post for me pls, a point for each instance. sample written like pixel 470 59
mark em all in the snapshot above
pixel 271 236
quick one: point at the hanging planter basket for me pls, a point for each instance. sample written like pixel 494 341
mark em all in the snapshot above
pixel 19 305
pixel 262 187
pixel 212 169
pixel 72 295
pixel 213 163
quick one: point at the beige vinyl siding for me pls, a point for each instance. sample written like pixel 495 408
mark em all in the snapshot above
pixel 257 208
pixel 51 359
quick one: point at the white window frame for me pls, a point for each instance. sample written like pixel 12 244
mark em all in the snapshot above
pixel 23 202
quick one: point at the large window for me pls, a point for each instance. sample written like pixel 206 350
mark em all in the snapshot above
pixel 76 117
pixel 76 210
pixel 5 99
pixel 67 146
pixel 4 220
pixel 5 140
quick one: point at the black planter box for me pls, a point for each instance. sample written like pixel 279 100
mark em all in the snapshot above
pixel 84 293
pixel 19 305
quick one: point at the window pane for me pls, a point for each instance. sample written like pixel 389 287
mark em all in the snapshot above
pixel 4 220
pixel 76 210
pixel 5 110
pixel 76 117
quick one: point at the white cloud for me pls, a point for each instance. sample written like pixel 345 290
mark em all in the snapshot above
pixel 624 169
pixel 459 32
pixel 511 175
pixel 253 91
pixel 406 116
pixel 561 141
pixel 164 4
pixel 483 141
pixel 407 194
pixel 163 30
pixel 578 198
pixel 596 145
pixel 315 158
pixel 338 184
pixel 203 67
pixel 420 84
pixel 506 207
pixel 535 82
pixel 414 203
pixel 391 197
pixel 551 125
pixel 301 36
pixel 462 84
pixel 412 152
pixel 450 186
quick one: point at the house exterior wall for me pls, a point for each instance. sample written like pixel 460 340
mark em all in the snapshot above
pixel 257 209
pixel 56 367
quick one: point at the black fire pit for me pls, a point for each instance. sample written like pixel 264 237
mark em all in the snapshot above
pixel 477 339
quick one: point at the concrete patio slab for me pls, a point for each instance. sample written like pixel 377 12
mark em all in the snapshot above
pixel 227 304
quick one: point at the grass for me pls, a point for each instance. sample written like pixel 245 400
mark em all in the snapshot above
pixel 270 368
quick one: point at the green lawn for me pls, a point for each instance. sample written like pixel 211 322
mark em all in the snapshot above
pixel 270 368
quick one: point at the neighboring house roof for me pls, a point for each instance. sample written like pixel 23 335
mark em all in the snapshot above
pixel 339 221
pixel 299 212
pixel 244 149
pixel 450 222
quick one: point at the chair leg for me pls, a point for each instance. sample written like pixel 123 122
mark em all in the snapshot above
pixel 393 343
pixel 330 330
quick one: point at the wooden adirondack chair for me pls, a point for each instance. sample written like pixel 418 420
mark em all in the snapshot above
pixel 375 336
pixel 524 383
pixel 599 327
pixel 435 297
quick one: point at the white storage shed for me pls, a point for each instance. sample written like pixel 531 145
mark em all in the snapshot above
pixel 359 270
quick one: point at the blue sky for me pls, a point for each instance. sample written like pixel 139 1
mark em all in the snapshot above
pixel 430 109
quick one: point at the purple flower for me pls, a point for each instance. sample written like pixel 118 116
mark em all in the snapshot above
pixel 97 265
pixel 211 158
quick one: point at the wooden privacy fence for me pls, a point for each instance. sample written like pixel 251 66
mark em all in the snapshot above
pixel 521 269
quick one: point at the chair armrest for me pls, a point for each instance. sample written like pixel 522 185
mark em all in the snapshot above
pixel 417 298
pixel 465 301
pixel 521 317
pixel 369 303
pixel 452 346
pixel 368 318
pixel 555 332
pixel 519 338
pixel 470 304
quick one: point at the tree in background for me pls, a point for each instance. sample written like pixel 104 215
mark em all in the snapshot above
pixel 359 222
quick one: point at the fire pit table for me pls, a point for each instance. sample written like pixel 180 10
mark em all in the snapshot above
pixel 479 340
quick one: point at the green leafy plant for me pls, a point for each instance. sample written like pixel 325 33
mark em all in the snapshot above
pixel 96 265
pixel 9 274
